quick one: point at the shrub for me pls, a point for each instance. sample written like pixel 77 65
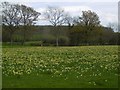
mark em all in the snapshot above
pixel 34 43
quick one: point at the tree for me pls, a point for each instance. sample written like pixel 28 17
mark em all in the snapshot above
pixel 0 29
pixel 11 17
pixel 69 20
pixel 113 26
pixel 84 27
pixel 14 15
pixel 89 20
pixel 56 16
pixel 29 16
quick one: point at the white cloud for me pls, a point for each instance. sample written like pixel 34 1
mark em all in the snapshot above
pixel 72 10
pixel 105 12
pixel 110 17
pixel 61 0
pixel 75 10
pixel 41 10
pixel 107 18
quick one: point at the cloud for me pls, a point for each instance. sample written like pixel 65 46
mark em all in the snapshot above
pixel 75 10
pixel 41 10
pixel 106 11
pixel 60 0
pixel 72 10
pixel 107 18
pixel 110 17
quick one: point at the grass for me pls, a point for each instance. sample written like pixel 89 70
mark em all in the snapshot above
pixel 60 67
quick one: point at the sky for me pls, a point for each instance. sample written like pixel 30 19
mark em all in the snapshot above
pixel 107 10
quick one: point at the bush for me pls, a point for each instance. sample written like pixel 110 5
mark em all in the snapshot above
pixel 34 43
pixel 63 40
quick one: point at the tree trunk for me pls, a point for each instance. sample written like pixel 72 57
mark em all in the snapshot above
pixel 57 41
pixel 11 41
pixel 24 35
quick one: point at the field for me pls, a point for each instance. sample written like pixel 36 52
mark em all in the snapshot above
pixel 60 67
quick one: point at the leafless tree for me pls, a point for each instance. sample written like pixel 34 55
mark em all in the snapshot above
pixel 90 18
pixel 29 16
pixel 70 21
pixel 56 16
pixel 14 15
pixel 11 17
pixel 113 26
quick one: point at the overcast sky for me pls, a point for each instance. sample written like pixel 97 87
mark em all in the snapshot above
pixel 107 10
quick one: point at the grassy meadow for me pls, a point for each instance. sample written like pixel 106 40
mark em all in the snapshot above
pixel 60 67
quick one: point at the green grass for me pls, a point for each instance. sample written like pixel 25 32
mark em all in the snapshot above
pixel 60 67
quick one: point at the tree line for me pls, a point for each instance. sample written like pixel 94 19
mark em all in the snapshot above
pixel 18 26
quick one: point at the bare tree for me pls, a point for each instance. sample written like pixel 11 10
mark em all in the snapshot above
pixel 11 17
pixel 70 21
pixel 89 20
pixel 29 17
pixel 0 23
pixel 14 15
pixel 56 16
pixel 113 26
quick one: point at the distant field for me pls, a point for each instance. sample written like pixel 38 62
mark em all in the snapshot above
pixel 60 67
